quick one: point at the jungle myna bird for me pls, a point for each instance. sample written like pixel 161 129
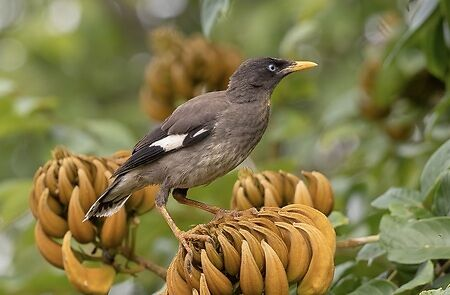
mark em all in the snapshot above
pixel 204 138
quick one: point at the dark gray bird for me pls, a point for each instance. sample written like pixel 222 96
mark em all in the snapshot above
pixel 203 139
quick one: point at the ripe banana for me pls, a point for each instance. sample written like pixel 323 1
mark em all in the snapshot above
pixel 321 268
pixel 52 224
pixel 321 192
pixel 114 229
pixel 302 195
pixel 175 283
pixel 65 186
pixel 204 290
pixel 87 192
pixel 275 281
pixel 320 221
pixel 49 249
pixel 148 200
pixel 254 195
pixel 217 282
pixel 87 280
pixel 50 178
pixel 250 278
pixel 100 181
pixel 299 253
pixel 231 258
pixel 83 232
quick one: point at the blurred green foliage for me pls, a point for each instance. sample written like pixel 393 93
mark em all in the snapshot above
pixel 369 117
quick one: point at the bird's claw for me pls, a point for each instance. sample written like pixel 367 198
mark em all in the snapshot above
pixel 184 237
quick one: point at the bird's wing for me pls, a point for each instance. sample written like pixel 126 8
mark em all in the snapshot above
pixel 189 124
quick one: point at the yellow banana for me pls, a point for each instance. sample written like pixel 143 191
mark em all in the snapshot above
pixel 255 248
pixel 231 257
pixel 235 235
pixel 241 200
pixel 321 268
pixel 204 290
pixel 81 165
pixel 135 200
pixel 289 187
pixel 267 185
pixel 270 199
pixel 83 232
pixel 320 221
pixel 52 224
pixel 254 195
pixel 49 249
pixel 87 280
pixel 217 282
pixel 302 195
pixel 275 281
pixel 87 192
pixel 250 278
pixel 100 181
pixel 71 169
pixel 276 180
pixel 213 256
pixel 299 253
pixel 148 200
pixel 65 186
pixel 275 242
pixel 50 178
pixel 175 283
pixel 114 229
pixel 321 192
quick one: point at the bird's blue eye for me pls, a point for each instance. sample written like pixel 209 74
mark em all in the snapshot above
pixel 272 67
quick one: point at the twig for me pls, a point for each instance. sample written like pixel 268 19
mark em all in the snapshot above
pixel 392 275
pixel 151 266
pixel 356 242
pixel 143 263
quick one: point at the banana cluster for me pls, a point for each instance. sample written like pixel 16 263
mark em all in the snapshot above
pixel 278 189
pixel 258 252
pixel 182 68
pixel 63 191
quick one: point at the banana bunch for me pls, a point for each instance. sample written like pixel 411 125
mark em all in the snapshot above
pixel 63 190
pixel 260 252
pixel 278 189
pixel 182 68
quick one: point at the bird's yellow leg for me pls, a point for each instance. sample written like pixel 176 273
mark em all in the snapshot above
pixel 180 196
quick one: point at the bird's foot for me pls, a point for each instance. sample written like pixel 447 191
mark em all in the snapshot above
pixel 234 213
pixel 184 238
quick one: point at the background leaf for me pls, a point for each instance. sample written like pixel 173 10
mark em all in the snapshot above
pixel 435 167
pixel 424 275
pixel 211 11
pixel 412 242
pixel 375 287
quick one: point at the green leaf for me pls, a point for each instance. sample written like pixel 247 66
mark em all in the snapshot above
pixel 375 287
pixel 14 196
pixel 435 48
pixel 211 10
pixel 441 199
pixel 338 219
pixel 436 166
pixel 412 242
pixel 424 275
pixel 419 15
pixel 369 252
pixel 436 292
pixel 407 197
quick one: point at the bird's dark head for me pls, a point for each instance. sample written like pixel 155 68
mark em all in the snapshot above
pixel 263 74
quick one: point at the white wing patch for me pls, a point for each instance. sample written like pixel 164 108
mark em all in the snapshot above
pixel 203 130
pixel 170 142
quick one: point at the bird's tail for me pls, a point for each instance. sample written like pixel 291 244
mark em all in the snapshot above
pixel 107 204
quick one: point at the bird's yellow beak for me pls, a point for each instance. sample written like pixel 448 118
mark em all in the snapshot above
pixel 299 66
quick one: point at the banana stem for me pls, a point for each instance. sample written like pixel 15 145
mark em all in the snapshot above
pixel 151 266
pixel 143 264
pixel 356 242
